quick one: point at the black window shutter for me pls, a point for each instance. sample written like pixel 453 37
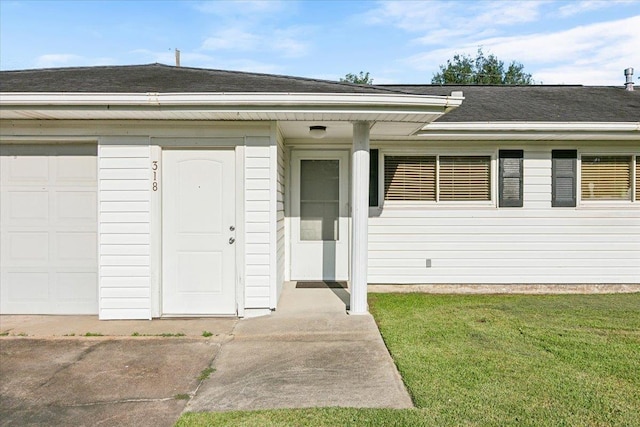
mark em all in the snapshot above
pixel 510 179
pixel 373 177
pixel 563 178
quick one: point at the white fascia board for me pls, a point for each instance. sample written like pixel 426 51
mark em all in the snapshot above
pixel 258 101
pixel 529 127
pixel 528 136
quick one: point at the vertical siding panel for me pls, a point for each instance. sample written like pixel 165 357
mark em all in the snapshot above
pixel 124 193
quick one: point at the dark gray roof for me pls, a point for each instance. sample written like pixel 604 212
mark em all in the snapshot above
pixel 536 103
pixel 482 103
pixel 165 79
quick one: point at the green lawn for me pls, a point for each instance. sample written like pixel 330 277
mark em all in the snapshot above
pixel 564 360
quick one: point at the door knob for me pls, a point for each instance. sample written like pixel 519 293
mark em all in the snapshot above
pixel 231 240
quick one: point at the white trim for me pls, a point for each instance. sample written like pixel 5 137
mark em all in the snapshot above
pixel 530 131
pixel 342 272
pixel 611 204
pixel 433 204
pixel 273 218
pixel 226 106
pixel 533 126
pixel 253 99
pixel 240 230
pixel 155 238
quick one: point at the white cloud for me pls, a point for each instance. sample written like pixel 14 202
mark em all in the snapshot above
pixel 287 42
pixel 577 7
pixel 580 52
pixel 231 38
pixel 442 21
pixel 57 60
pixel 241 7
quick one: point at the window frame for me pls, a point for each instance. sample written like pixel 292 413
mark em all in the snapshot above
pixel 576 178
pixel 510 153
pixel 607 202
pixel 490 153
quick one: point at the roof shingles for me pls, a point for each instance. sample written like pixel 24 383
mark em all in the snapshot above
pixel 534 103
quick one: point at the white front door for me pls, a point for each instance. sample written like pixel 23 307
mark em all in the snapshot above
pixel 320 235
pixel 198 211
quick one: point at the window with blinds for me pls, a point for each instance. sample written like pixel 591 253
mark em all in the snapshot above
pixel 605 177
pixel 465 178
pixel 410 178
pixel 414 178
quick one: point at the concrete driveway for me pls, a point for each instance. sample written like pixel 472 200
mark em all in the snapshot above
pixel 98 381
pixel 51 374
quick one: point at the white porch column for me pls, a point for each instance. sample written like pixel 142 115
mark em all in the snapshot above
pixel 359 217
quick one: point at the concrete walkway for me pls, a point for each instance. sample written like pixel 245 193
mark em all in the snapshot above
pixel 309 353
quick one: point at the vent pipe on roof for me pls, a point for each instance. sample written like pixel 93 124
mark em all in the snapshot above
pixel 177 57
pixel 628 85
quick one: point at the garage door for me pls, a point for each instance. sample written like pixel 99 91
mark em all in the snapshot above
pixel 48 229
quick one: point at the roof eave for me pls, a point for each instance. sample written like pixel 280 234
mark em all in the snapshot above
pixel 226 106
pixel 527 130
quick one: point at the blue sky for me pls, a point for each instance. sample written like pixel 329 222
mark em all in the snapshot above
pixel 559 42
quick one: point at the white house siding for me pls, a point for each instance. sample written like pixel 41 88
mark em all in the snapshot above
pixel 532 244
pixel 258 230
pixel 282 160
pixel 124 228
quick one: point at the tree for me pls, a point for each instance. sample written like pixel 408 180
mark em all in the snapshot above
pixel 359 79
pixel 481 70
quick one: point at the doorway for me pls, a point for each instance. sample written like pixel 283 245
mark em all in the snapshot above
pixel 319 215
pixel 198 251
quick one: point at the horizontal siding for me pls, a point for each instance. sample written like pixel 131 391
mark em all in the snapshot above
pixel 588 246
pixel 125 284
pixel 257 223
pixel 534 244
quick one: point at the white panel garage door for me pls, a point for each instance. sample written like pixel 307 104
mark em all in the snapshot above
pixel 48 226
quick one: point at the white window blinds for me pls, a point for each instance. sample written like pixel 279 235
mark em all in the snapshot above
pixel 605 178
pixel 410 178
pixel 465 178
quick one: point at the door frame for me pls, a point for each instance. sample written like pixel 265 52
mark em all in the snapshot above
pixel 156 147
pixel 296 155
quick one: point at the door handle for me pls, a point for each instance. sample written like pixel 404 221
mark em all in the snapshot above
pixel 231 240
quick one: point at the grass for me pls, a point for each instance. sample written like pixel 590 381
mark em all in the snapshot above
pixel 528 360
pixel 163 335
pixel 206 372
pixel 561 360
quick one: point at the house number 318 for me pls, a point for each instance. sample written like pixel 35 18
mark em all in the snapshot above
pixel 154 168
